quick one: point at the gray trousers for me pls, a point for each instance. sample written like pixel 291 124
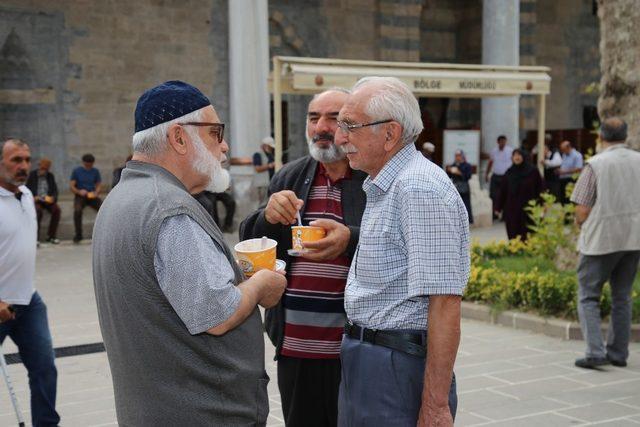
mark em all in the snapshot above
pixel 619 269
pixel 381 387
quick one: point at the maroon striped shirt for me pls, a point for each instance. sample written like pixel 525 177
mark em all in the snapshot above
pixel 314 298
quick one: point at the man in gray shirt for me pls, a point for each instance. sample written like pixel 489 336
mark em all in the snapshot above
pixel 180 323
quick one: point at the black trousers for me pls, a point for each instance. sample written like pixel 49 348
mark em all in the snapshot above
pixel 494 189
pixel 229 206
pixel 309 391
pixel 79 203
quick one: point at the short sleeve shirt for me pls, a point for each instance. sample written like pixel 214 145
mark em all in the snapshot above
pixel 501 159
pixel 414 242
pixel 584 192
pixel 86 179
pixel 194 275
pixel 573 160
pixel 18 235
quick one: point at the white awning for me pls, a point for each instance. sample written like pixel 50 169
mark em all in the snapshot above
pixel 313 75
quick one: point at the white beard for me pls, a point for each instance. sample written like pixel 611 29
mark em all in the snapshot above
pixel 207 164
pixel 325 155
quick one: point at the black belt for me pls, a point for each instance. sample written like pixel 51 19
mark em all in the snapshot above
pixel 406 342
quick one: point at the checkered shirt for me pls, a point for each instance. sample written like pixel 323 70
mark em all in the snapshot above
pixel 584 192
pixel 414 242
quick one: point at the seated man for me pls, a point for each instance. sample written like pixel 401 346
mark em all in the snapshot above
pixel 42 184
pixel 86 185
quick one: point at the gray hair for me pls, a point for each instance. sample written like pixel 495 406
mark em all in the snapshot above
pixel 393 100
pixel 16 141
pixel 153 141
pixel 613 129
pixel 332 89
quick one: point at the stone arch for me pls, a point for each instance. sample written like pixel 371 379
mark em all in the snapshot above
pixel 287 34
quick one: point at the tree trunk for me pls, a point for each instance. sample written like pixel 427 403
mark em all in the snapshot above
pixel 620 63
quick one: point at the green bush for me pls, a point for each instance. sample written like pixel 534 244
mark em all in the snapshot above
pixel 537 275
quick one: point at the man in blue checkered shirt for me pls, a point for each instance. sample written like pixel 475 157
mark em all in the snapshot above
pixel 406 280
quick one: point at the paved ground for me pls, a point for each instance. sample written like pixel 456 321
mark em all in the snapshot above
pixel 505 377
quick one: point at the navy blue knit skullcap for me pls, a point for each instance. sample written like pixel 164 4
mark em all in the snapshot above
pixel 166 102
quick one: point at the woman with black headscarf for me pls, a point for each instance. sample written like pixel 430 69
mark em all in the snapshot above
pixel 521 183
pixel 460 173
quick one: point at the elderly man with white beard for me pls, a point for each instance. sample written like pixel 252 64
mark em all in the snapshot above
pixel 180 323
pixel 306 327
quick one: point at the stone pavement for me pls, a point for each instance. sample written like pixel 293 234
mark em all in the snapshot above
pixel 505 377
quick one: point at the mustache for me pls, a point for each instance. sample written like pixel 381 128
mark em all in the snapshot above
pixel 325 136
pixel 21 174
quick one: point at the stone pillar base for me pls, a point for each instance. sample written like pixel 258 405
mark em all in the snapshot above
pixel 481 205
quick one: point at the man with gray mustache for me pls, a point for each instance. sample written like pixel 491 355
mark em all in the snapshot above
pixel 307 326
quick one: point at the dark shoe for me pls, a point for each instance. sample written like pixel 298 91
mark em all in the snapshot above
pixel 618 363
pixel 591 362
pixel 53 240
pixel 77 239
pixel 227 229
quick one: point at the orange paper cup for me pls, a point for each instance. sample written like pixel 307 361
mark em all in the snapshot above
pixel 91 195
pixel 305 233
pixel 253 257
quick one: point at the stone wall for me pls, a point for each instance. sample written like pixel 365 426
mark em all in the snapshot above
pixel 96 58
pixel 72 70
pixel 566 39
pixel 620 47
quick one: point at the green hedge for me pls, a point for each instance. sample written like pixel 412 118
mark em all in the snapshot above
pixel 507 275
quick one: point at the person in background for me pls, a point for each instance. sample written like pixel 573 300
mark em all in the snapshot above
pixel 23 314
pixel 460 173
pixel 521 183
pixel 264 165
pixel 86 184
pixel 42 185
pixel 499 162
pixel 572 163
pixel 428 150
pixel 552 161
pixel 607 198
pixel 117 172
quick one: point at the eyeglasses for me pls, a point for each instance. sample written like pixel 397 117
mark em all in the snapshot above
pixel 350 127
pixel 217 129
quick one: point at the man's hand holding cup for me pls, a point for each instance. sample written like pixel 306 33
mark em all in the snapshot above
pixel 332 245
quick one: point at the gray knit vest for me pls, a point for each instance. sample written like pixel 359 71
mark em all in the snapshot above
pixel 162 375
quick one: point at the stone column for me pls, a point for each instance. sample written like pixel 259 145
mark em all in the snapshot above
pixel 500 46
pixel 248 92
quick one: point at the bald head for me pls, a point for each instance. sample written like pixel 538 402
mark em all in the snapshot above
pixel 613 130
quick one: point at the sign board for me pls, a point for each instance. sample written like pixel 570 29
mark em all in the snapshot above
pixel 465 140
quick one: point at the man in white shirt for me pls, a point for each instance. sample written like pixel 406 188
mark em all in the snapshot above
pixel 23 314
pixel 499 161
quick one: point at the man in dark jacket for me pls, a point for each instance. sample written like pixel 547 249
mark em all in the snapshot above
pixel 307 326
pixel 42 184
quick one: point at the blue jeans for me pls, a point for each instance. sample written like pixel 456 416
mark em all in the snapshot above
pixel 30 332
pixel 381 387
